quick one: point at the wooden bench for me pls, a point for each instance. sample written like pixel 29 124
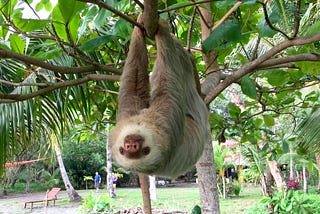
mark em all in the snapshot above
pixel 50 196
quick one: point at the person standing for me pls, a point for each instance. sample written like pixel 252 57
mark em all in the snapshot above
pixel 97 181
pixel 114 184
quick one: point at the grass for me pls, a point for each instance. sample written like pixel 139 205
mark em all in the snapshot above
pixel 249 195
pixel 171 199
pixel 184 199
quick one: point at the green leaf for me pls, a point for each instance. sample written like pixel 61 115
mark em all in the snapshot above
pixel 285 147
pixel 39 6
pixel 268 120
pixel 93 44
pixel 64 11
pixel 264 29
pixel 288 101
pixel 17 44
pixel 123 29
pixel 74 26
pixel 309 68
pixel 234 110
pixel 248 2
pixel 196 210
pixel 179 4
pixel 47 5
pixel 100 19
pixel 30 25
pixel 248 87
pixel 224 4
pixel 223 37
pixel 277 77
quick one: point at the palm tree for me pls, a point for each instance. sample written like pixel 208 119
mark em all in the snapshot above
pixel 308 137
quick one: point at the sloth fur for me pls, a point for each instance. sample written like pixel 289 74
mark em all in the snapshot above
pixel 160 131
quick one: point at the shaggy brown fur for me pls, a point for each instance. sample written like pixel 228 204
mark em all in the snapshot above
pixel 163 134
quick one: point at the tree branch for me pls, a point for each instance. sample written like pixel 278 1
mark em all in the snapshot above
pixel 60 69
pixel 297 19
pixel 10 98
pixel 224 18
pixel 118 13
pixel 183 6
pixel 266 16
pixel 296 58
pixel 251 66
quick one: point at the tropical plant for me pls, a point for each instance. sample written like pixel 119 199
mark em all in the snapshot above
pixel 270 48
pixel 290 202
pixel 96 204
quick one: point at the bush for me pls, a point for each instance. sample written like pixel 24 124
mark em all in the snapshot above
pixel 290 202
pixel 96 204
pixel 233 188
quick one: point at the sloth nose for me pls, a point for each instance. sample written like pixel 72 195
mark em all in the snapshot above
pixel 132 147
pixel 132 144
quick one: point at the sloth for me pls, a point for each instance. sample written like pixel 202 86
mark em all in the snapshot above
pixel 162 122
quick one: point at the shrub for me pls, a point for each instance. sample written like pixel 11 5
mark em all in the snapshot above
pixel 233 188
pixel 290 202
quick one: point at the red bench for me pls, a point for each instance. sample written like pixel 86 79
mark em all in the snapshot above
pixel 50 196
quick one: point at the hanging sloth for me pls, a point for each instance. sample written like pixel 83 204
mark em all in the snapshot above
pixel 160 131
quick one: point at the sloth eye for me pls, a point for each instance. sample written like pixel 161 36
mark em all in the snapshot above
pixel 145 150
pixel 121 150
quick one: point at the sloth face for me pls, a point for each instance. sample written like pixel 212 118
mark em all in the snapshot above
pixel 136 149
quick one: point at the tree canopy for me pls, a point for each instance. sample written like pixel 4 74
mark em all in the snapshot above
pixel 60 61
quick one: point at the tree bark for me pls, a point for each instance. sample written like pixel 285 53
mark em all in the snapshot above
pixel 305 179
pixel 275 172
pixel 263 184
pixel 144 185
pixel 207 178
pixel 110 188
pixel 291 173
pixel 73 195
pixel 209 195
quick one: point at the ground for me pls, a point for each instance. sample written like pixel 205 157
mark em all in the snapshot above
pixel 13 204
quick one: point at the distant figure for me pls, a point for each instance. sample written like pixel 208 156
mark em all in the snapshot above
pixel 97 181
pixel 114 183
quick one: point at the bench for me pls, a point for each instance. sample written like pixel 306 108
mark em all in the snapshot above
pixel 50 196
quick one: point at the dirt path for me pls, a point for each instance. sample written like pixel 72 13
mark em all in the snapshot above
pixel 13 203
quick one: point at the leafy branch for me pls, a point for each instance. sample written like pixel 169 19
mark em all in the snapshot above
pixel 253 65
pixel 10 98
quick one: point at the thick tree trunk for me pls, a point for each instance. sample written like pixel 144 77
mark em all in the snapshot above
pixel 207 178
pixel 275 172
pixel 73 195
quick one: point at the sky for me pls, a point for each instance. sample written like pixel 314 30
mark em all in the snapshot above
pixel 29 14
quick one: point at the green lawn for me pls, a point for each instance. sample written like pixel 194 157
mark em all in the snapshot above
pixel 169 199
pixel 184 199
